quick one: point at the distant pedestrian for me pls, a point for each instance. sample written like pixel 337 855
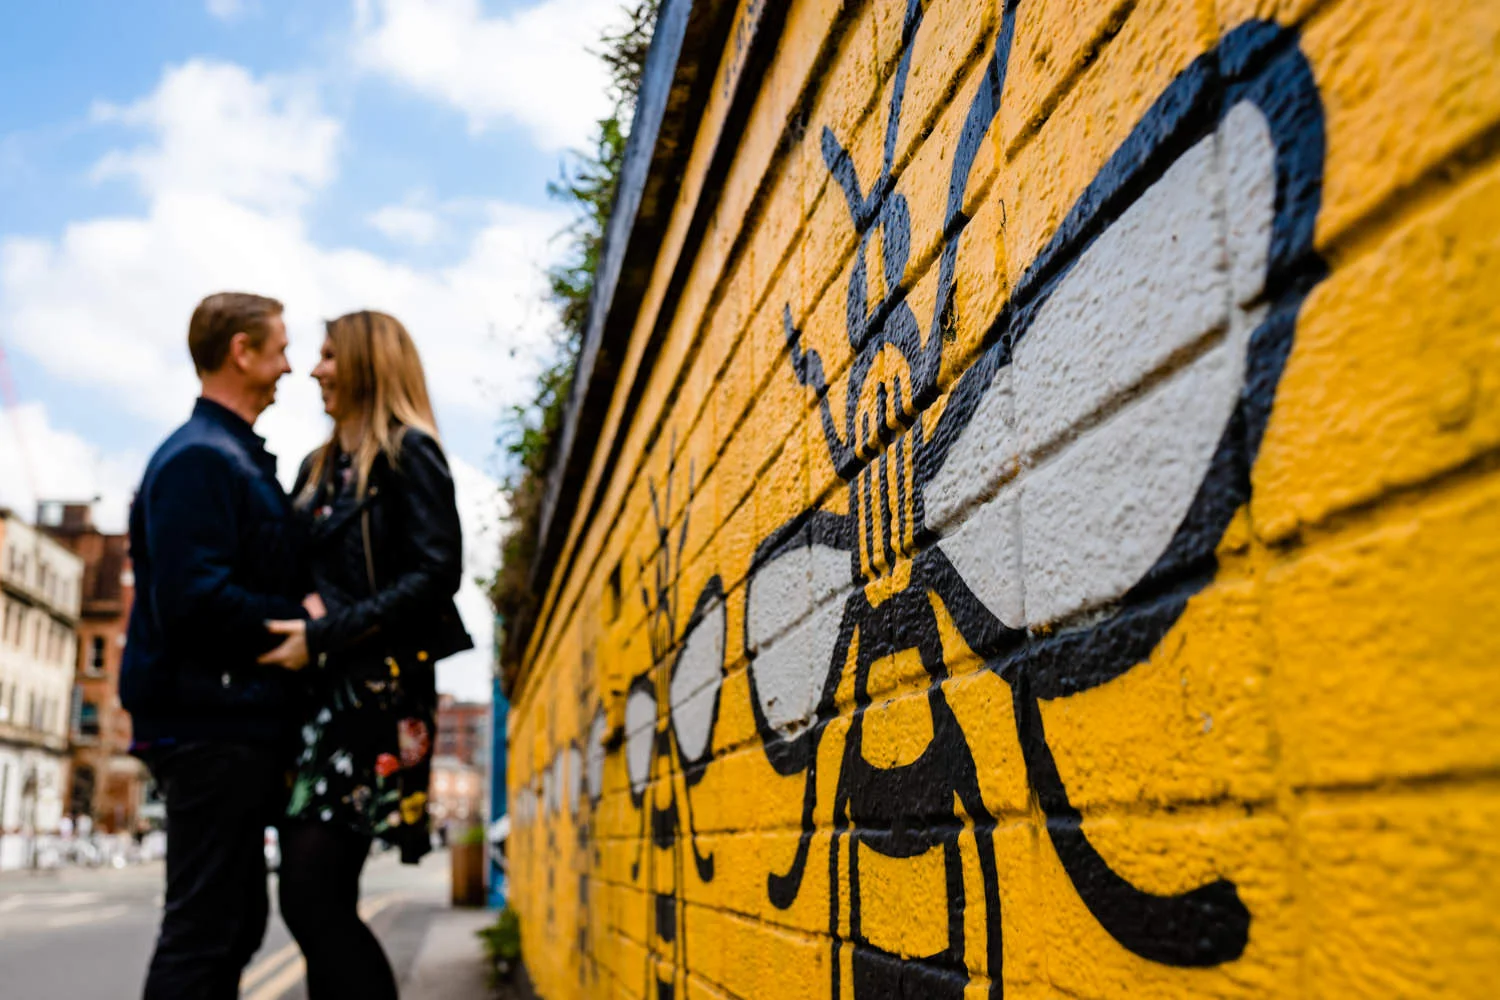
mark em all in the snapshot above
pixel 386 555
pixel 216 554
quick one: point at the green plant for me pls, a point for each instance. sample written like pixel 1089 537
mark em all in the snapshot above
pixel 530 430
pixel 471 835
pixel 502 945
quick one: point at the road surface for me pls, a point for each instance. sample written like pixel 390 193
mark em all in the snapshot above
pixel 86 934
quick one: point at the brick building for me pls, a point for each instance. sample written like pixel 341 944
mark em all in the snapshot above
pixel 107 783
pixel 463 731
pixel 459 763
pixel 40 583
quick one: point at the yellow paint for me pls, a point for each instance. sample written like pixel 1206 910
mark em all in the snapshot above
pixel 908 916
pixel 897 731
pixel 1317 727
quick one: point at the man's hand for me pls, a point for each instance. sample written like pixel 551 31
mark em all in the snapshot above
pixel 314 606
pixel 292 653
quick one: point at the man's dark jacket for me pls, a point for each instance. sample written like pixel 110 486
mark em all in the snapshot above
pixel 216 553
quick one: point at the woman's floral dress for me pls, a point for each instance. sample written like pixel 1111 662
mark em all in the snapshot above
pixel 366 757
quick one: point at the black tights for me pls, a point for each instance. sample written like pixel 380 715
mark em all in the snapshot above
pixel 320 868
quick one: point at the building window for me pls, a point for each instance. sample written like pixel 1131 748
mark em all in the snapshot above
pixel 96 655
pixel 88 720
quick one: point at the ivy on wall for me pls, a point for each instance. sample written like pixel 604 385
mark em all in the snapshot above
pixel 530 430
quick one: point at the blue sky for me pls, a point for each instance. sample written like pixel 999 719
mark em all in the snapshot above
pixel 387 154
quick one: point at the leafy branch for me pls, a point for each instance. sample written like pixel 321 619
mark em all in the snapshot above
pixel 530 431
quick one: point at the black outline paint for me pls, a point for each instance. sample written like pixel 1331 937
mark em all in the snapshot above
pixel 666 825
pixel 904 811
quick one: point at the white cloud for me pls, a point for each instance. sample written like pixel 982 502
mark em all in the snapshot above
pixel 105 304
pixel 226 10
pixel 40 461
pixel 482 511
pixel 531 66
pixel 407 224
pixel 217 130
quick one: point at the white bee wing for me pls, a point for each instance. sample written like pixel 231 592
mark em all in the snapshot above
pixel 575 778
pixel 696 679
pixel 1120 391
pixel 640 736
pixel 594 756
pixel 556 779
pixel 792 624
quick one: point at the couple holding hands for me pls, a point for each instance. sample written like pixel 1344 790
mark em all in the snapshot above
pixel 279 663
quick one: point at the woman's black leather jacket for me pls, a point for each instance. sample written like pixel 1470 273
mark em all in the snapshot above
pixel 410 517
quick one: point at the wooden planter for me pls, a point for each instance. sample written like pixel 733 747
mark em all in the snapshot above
pixel 468 874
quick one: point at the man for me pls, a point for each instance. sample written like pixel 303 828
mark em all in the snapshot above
pixel 215 555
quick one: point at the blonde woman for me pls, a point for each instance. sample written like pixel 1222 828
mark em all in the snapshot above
pixel 385 555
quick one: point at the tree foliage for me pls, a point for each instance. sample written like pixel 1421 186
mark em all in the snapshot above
pixel 587 183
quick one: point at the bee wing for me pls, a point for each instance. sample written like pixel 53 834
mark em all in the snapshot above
pixel 793 621
pixel 698 675
pixel 552 785
pixel 1102 451
pixel 640 734
pixel 594 756
pixel 575 777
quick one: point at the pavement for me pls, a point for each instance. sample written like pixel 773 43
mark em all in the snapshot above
pixel 87 934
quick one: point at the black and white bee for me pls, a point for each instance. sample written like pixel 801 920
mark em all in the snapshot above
pixel 1061 509
pixel 670 710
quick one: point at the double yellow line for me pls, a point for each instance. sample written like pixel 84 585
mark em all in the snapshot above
pixel 278 972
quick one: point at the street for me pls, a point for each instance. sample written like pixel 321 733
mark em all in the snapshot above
pixel 86 934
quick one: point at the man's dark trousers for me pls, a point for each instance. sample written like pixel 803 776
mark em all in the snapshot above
pixel 220 798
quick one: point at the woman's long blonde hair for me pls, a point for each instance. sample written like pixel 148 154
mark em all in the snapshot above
pixel 381 388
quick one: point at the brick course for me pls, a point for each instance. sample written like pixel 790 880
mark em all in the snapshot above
pixel 1053 540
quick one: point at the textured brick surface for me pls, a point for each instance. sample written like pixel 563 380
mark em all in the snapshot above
pixel 1055 551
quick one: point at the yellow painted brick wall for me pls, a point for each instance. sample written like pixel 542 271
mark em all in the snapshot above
pixel 1056 554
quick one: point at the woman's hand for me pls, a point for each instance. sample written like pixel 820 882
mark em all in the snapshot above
pixel 292 653
pixel 314 606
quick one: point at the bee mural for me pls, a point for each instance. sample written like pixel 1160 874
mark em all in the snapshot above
pixel 1055 557
pixel 669 716
pixel 585 787
pixel 571 784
